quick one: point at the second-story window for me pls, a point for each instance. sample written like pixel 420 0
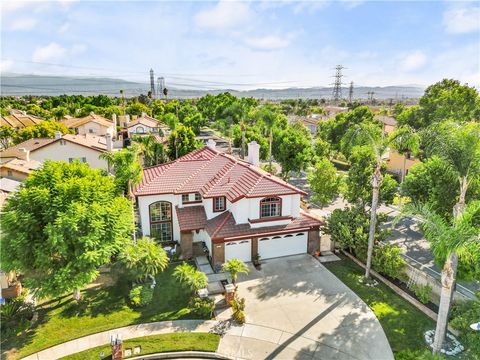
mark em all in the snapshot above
pixel 270 207
pixel 219 203
pixel 198 197
pixel 184 198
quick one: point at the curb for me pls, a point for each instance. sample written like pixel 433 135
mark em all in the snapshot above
pixel 183 355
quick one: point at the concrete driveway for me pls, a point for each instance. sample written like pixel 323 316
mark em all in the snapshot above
pixel 297 309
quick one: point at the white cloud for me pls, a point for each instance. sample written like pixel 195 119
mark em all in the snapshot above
pixel 10 6
pixel 6 65
pixel 64 28
pixel 414 61
pixel 269 42
pixel 462 20
pixel 224 15
pixel 21 24
pixel 50 52
pixel 309 6
pixel 351 4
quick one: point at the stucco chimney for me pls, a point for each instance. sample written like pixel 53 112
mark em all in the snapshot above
pixel 144 114
pixel 58 135
pixel 211 144
pixel 127 120
pixel 115 122
pixel 253 153
pixel 24 154
pixel 108 141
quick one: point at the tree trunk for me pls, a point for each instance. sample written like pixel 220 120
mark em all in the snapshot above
pixel 243 141
pixel 376 180
pixel 446 296
pixel 270 150
pixel 77 295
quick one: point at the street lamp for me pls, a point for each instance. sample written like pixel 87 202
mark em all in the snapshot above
pixel 475 326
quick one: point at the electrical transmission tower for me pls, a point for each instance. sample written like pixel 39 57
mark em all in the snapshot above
pixel 160 86
pixel 370 96
pixel 337 85
pixel 350 93
pixel 152 84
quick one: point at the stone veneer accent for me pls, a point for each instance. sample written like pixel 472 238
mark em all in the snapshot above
pixel 218 256
pixel 313 241
pixel 186 243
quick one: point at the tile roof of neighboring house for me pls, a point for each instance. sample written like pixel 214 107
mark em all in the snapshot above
pixel 9 185
pixel 212 173
pixel 22 166
pixel 93 142
pixel 224 226
pixel 145 120
pixel 191 217
pixel 386 120
pixel 19 119
pixel 72 122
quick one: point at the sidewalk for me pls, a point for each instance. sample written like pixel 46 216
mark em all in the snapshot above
pixel 127 332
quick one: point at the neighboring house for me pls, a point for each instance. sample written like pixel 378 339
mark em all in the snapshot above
pixel 143 125
pixel 85 148
pixel 91 124
pixel 7 187
pixel 236 209
pixel 310 122
pixel 19 119
pixel 18 169
pixel 397 163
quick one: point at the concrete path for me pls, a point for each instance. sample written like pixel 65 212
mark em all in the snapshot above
pixel 127 332
pixel 297 309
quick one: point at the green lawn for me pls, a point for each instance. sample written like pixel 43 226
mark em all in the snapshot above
pixel 101 308
pixel 155 344
pixel 403 323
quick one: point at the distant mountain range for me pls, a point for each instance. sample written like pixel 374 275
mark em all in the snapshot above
pixel 18 85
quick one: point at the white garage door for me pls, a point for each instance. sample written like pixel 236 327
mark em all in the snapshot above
pixel 241 250
pixel 282 245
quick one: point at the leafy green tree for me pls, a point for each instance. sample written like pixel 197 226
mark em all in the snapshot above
pixel 324 182
pixel 406 141
pixel 465 313
pixel 234 267
pixel 322 148
pixel 126 166
pixel 181 142
pixel 449 100
pixel 252 133
pixel 411 116
pixel 144 258
pixel 7 134
pixel 44 129
pixel 190 277
pixel 154 153
pixel 194 121
pixel 269 118
pixel 137 108
pixel 158 108
pixel 65 222
pixel 293 149
pixel 36 110
pixel 59 112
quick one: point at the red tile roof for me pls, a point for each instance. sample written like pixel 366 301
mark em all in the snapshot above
pixel 224 227
pixel 212 173
pixel 191 218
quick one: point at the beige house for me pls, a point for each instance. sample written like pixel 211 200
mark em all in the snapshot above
pixel 91 124
pixel 19 119
pixel 143 124
pixel 18 169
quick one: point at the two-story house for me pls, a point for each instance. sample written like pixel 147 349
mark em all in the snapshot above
pixel 234 207
pixel 92 124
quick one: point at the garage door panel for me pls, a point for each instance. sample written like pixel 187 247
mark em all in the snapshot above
pixel 276 246
pixel 241 250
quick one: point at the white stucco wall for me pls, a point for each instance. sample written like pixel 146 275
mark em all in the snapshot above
pixel 97 129
pixel 58 152
pixel 143 209
pixel 134 129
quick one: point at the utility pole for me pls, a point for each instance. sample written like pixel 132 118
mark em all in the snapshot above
pixel 337 85
pixel 350 93
pixel 152 84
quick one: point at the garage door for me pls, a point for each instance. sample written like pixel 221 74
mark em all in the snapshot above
pixel 282 245
pixel 241 250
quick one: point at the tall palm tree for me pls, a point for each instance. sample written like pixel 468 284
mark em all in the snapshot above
pixel 234 267
pixel 270 120
pixel 370 135
pixel 459 145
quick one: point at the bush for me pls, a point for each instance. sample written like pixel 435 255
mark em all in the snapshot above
pixel 141 295
pixel 417 355
pixel 387 259
pixel 422 292
pixel 238 307
pixel 203 308
pixel 15 316
pixel 464 314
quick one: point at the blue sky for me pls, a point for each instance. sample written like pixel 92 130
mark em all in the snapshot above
pixel 245 44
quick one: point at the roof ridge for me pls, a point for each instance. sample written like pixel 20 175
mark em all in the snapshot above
pixel 219 227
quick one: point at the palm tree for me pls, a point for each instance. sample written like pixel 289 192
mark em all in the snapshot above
pixel 270 120
pixel 234 267
pixel 406 141
pixel 153 151
pixel 371 135
pixel 459 145
pixel 190 277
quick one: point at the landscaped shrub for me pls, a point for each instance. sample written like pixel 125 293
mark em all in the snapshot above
pixel 238 307
pixel 190 277
pixel 422 292
pixel 464 314
pixel 387 259
pixel 203 308
pixel 141 295
pixel 15 316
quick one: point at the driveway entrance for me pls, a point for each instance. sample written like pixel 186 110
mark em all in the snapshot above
pixel 297 309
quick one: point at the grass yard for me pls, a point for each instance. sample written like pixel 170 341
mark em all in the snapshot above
pixel 101 308
pixel 403 323
pixel 155 344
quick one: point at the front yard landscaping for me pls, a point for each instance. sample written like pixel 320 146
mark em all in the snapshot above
pixel 155 344
pixel 403 323
pixel 101 308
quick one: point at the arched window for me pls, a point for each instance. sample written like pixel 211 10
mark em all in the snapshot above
pixel 161 221
pixel 270 207
pixel 140 130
